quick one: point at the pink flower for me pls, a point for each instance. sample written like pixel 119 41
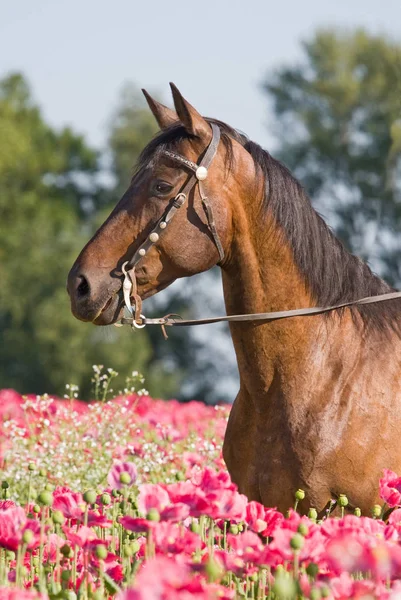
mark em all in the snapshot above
pixel 136 524
pixel 117 470
pixel 344 588
pixel 255 516
pixel 152 496
pixel 390 488
pixel 68 503
pixel 227 504
pixel 247 545
pixel 8 593
pixel 12 521
pixel 170 538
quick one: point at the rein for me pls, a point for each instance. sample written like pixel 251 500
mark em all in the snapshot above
pixel 200 173
pixel 175 320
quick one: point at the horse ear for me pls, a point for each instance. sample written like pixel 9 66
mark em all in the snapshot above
pixel 193 122
pixel 163 115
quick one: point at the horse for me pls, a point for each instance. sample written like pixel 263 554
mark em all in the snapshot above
pixel 319 404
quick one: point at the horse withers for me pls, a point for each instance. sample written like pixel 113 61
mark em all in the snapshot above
pixel 319 405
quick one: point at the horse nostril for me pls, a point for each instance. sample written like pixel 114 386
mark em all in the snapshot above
pixel 83 287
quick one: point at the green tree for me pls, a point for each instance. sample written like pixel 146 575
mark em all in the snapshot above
pixel 337 119
pixel 49 196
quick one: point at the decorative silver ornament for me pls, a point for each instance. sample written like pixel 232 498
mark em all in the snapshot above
pixel 201 173
pixel 154 237
pixel 142 252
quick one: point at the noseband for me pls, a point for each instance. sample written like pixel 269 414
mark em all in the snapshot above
pixel 200 173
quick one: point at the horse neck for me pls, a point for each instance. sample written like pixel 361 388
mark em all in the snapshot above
pixel 261 276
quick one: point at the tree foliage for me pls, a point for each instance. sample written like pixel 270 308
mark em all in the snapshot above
pixel 337 117
pixel 49 193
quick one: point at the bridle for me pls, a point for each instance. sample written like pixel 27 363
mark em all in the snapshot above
pixel 199 174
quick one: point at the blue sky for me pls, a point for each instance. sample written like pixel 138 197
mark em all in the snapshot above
pixel 78 54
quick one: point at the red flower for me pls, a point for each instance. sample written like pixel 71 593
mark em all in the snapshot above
pixel 136 524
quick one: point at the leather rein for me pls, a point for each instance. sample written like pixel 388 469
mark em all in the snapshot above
pixel 199 174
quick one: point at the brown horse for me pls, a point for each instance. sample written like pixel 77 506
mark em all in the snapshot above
pixel 319 405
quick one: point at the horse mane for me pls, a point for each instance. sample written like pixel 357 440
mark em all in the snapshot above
pixel 332 273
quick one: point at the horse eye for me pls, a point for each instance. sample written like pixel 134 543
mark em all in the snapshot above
pixel 161 187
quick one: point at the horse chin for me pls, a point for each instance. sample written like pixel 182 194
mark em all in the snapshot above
pixel 111 312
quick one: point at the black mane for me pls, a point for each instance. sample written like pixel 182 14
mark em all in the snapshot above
pixel 332 273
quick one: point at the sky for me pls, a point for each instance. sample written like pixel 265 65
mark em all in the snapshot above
pixel 78 54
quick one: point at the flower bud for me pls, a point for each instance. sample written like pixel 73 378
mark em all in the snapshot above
pixel 42 473
pixel 299 495
pixel 101 551
pixel 315 594
pixel 135 545
pixel 376 511
pixel 234 529
pixel 27 536
pixel 5 485
pixel 66 551
pixel 105 498
pixel 357 512
pixel 312 569
pixel 127 550
pixel 58 517
pixel 45 498
pixel 303 529
pixel 90 496
pixel 66 575
pixel 325 591
pixel 36 509
pixel 31 467
pixel 342 500
pixel 195 528
pixel 297 542
pixel 213 570
pixel 125 478
pixel 312 514
pixel 153 515
pixel 10 555
pixel 284 587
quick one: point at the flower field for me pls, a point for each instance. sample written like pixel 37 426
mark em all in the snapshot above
pixel 130 499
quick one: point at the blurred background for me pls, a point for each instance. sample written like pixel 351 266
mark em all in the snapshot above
pixel 316 83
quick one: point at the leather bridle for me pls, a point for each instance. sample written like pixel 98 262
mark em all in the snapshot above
pixel 199 174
